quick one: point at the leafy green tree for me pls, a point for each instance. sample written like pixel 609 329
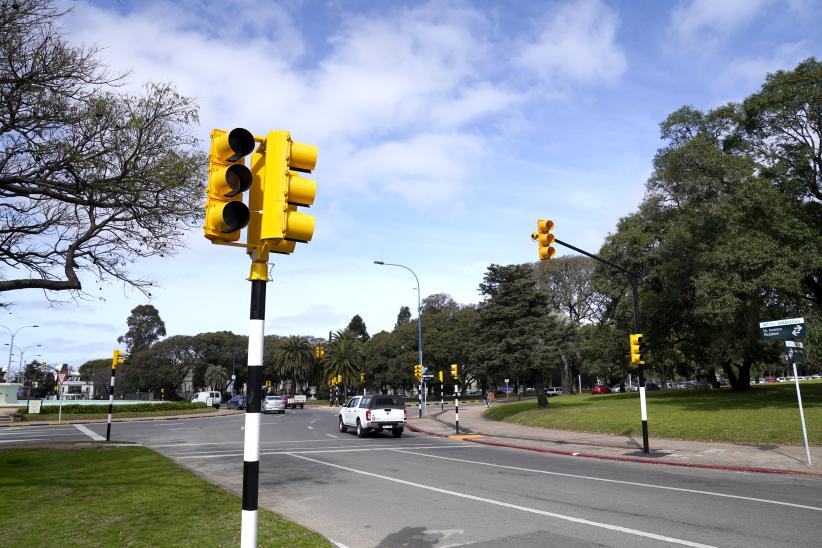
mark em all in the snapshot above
pixel 294 360
pixel 404 316
pixel 357 326
pixel 216 377
pixel 90 178
pixel 99 373
pixel 145 327
pixel 344 356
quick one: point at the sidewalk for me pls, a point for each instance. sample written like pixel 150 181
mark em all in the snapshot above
pixel 115 418
pixel 763 458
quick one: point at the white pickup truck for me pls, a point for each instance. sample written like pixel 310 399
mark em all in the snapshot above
pixel 292 402
pixel 373 413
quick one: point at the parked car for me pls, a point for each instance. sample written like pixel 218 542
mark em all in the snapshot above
pixel 373 413
pixel 210 397
pixel 553 391
pixel 651 386
pixel 600 389
pixel 236 402
pixel 292 402
pixel 273 404
pixel 770 379
pixel 617 388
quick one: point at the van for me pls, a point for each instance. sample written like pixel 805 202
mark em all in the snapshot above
pixel 210 397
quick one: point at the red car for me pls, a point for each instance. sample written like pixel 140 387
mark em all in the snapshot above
pixel 600 389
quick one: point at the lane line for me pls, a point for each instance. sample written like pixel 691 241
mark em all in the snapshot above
pixel 21 440
pixel 184 456
pixel 607 480
pixel 329 449
pixel 573 519
pixel 266 442
pixel 310 427
pixel 333 436
pixel 89 433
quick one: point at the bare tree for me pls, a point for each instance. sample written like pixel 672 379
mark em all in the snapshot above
pixel 90 178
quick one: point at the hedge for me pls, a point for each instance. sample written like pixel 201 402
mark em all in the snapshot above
pixel 79 409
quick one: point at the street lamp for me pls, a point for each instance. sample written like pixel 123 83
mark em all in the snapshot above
pixel 419 320
pixel 11 343
pixel 22 352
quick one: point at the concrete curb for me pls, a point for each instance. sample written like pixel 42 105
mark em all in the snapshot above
pixel 640 460
pixel 123 419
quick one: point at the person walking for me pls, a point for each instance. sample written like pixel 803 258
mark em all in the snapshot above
pixel 485 396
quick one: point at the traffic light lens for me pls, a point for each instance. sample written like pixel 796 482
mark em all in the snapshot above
pixel 235 216
pixel 241 141
pixel 238 179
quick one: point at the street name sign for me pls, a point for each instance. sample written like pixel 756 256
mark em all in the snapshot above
pixel 793 328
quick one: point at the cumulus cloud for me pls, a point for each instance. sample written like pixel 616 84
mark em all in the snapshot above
pixel 576 43
pixel 705 22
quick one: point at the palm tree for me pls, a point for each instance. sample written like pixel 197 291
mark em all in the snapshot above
pixel 294 359
pixel 344 356
pixel 216 377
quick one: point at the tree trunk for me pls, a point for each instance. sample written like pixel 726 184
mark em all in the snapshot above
pixel 741 381
pixel 539 386
pixel 711 378
pixel 565 373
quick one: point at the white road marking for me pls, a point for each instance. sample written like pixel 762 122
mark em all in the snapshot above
pixel 564 517
pixel 184 428
pixel 592 478
pixel 363 447
pixel 22 440
pixel 40 433
pixel 89 433
pixel 332 436
pixel 310 427
pixel 313 451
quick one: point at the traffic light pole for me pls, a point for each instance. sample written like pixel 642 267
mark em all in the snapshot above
pixel 110 401
pixel 251 443
pixel 632 278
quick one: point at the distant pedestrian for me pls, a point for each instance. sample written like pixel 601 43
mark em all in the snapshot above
pixel 485 396
pixel 491 398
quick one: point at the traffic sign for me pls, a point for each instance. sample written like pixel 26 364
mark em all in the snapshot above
pixel 794 355
pixel 793 328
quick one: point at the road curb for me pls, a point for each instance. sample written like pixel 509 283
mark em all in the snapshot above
pixel 123 419
pixel 640 460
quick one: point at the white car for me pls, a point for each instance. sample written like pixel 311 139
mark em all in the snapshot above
pixel 373 413
pixel 211 397
pixel 553 391
pixel 273 404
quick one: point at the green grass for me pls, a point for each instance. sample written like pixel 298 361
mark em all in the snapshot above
pixel 122 496
pixel 765 414
pixel 89 416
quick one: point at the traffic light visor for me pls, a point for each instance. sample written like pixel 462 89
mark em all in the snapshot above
pixel 545 226
pixel 303 157
pixel 301 191
pixel 231 180
pixel 231 146
pixel 299 226
pixel 229 216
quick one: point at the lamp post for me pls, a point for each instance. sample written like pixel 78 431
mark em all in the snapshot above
pixel 11 343
pixel 419 323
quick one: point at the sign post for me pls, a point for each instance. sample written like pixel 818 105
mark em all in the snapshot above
pixel 793 328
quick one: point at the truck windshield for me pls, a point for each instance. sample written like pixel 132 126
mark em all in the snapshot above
pixel 388 402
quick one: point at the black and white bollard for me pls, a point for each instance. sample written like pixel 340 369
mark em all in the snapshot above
pixel 457 407
pixel 114 361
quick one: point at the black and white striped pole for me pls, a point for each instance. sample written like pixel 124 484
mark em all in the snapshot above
pixel 457 406
pixel 251 443
pixel 117 359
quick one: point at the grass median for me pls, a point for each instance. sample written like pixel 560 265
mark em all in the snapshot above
pixel 764 414
pixel 98 495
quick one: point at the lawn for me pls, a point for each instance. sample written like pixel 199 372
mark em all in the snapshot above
pixel 97 495
pixel 115 416
pixel 765 414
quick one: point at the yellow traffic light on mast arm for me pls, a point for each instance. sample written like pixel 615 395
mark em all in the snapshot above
pixel 545 239
pixel 228 178
pixel 278 190
pixel 637 349
pixel 454 371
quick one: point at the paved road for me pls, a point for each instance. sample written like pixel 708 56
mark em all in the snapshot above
pixel 424 491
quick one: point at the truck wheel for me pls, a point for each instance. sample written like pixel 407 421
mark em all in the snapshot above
pixel 343 428
pixel 360 430
pixel 397 432
pixel 217 406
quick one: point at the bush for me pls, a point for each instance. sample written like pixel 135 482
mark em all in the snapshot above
pixel 80 409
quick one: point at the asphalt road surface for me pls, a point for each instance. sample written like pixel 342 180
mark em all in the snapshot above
pixel 425 491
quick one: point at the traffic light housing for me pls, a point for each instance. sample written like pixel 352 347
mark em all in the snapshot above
pixel 637 349
pixel 440 375
pixel 117 359
pixel 544 239
pixel 228 178
pixel 454 371
pixel 339 379
pixel 418 372
pixel 278 190
pixel 362 377
pixel 319 352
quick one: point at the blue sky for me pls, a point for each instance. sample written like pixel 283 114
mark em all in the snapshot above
pixel 445 129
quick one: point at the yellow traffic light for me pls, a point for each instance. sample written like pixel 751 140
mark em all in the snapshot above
pixel 454 371
pixel 418 372
pixel 117 359
pixel 319 352
pixel 637 349
pixel 278 190
pixel 545 239
pixel 228 178
pixel 440 375
pixel 362 377
pixel 339 379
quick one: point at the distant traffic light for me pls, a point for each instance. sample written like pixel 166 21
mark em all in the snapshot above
pixel 362 377
pixel 418 372
pixel 279 189
pixel 228 178
pixel 440 375
pixel 637 349
pixel 319 352
pixel 454 371
pixel 545 239
pixel 117 359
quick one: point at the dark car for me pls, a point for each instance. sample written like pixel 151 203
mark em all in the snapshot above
pixel 649 386
pixel 600 389
pixel 237 402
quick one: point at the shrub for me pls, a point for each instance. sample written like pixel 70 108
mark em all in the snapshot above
pixel 80 409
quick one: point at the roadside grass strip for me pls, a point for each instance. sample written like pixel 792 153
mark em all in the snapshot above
pixel 765 414
pixel 122 496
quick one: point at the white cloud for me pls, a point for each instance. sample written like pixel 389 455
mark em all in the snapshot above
pixel 703 23
pixel 745 75
pixel 576 43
